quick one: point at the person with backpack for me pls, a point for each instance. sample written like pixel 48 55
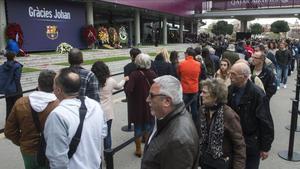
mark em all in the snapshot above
pixel 20 127
pixel 10 81
pixel 75 129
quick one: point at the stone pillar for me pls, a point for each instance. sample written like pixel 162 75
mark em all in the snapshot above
pixel 243 25
pixel 89 13
pixel 165 31
pixel 181 31
pixel 137 28
pixel 2 25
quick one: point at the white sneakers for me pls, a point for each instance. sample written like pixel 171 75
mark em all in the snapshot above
pixel 284 86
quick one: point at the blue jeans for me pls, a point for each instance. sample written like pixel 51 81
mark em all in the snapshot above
pixel 107 139
pixel 282 74
pixel 187 97
pixel 140 129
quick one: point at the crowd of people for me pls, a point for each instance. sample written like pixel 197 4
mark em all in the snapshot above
pixel 211 109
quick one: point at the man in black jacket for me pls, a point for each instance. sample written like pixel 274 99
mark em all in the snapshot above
pixel 266 75
pixel 174 142
pixel 251 104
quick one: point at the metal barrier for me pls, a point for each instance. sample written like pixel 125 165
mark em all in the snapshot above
pixel 31 90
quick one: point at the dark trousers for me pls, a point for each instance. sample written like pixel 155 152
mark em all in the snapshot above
pixel 107 139
pixel 252 161
pixel 192 99
pixel 10 102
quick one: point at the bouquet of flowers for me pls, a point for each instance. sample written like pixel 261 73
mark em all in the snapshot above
pixel 89 34
pixel 103 35
pixel 63 48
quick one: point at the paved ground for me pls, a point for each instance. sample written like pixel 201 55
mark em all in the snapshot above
pixel 10 157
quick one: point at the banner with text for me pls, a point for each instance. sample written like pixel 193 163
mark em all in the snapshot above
pixel 233 4
pixel 46 24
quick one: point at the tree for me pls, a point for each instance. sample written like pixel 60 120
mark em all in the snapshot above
pixel 280 26
pixel 222 28
pixel 256 29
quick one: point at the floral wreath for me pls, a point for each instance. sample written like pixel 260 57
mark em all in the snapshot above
pixel 103 35
pixel 89 34
pixel 14 31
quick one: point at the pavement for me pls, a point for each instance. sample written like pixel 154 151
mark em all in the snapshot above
pixel 10 157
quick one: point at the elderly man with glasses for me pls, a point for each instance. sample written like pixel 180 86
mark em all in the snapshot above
pixel 251 104
pixel 173 143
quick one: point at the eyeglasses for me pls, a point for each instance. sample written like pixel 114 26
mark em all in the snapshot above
pixel 256 57
pixel 151 95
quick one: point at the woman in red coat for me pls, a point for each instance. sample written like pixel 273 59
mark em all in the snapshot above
pixel 137 90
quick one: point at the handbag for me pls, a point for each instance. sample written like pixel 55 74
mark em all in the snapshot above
pixel 220 163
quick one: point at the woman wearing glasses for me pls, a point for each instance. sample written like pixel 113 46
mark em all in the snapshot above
pixel 222 143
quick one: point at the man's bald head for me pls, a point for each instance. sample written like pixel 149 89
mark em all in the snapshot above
pixel 241 68
pixel 68 81
pixel 75 57
pixel 240 73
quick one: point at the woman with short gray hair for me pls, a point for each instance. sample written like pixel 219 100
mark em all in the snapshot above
pixel 222 144
pixel 137 90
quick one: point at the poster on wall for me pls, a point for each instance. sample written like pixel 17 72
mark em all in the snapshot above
pixel 46 24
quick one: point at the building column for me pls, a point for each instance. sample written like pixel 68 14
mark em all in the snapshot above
pixel 137 27
pixel 89 13
pixel 181 31
pixel 192 26
pixel 244 24
pixel 2 25
pixel 165 31
pixel 130 34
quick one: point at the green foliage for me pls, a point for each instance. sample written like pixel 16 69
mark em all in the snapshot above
pixel 222 28
pixel 280 26
pixel 256 29
pixel 29 70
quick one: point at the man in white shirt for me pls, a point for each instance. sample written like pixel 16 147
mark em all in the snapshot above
pixel 63 122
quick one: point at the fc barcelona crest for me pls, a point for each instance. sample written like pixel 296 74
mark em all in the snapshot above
pixel 52 32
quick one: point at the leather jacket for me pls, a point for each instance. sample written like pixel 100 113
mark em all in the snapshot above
pixel 175 144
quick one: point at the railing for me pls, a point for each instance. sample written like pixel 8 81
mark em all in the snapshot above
pixel 31 90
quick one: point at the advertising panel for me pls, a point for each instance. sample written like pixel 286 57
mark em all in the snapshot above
pixel 46 24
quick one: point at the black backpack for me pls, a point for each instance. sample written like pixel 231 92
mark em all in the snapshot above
pixel 41 154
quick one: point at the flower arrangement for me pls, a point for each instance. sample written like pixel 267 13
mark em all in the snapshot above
pixel 63 48
pixel 89 34
pixel 113 36
pixel 14 31
pixel 103 35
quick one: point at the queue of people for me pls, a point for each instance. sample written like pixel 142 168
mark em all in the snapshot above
pixel 206 110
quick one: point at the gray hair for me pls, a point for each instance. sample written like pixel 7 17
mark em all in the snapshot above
pixel 171 87
pixel 143 60
pixel 212 51
pixel 217 89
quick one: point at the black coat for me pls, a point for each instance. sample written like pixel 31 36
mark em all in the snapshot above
pixel 255 117
pixel 267 77
pixel 175 144
pixel 162 68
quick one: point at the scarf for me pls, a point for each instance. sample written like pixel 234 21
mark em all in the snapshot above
pixel 212 136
